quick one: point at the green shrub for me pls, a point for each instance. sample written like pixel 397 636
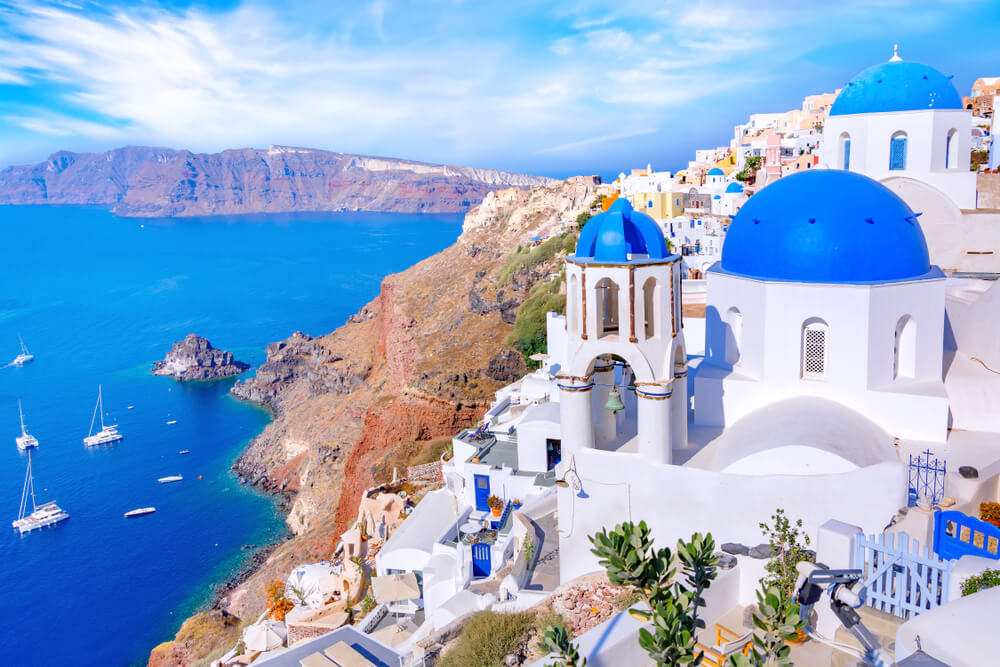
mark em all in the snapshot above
pixel 569 242
pixel 582 219
pixel 528 335
pixel 487 638
pixel 529 259
pixel 979 582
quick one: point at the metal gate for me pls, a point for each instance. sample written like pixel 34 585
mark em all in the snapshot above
pixel 481 561
pixel 900 577
pixel 957 534
pixel 926 478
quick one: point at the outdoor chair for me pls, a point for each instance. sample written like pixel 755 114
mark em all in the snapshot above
pixel 727 643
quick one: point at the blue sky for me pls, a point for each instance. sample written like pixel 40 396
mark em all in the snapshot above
pixel 546 87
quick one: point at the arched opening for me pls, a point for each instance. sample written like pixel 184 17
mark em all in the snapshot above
pixel 814 341
pixel 845 150
pixel 734 335
pixel 650 296
pixel 904 352
pixel 607 307
pixel 951 150
pixel 573 305
pixel 897 151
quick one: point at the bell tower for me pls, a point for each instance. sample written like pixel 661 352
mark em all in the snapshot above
pixel 624 384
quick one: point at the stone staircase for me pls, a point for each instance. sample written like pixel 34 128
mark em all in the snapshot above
pixel 882 625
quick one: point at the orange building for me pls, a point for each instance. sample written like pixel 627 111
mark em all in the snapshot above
pixel 983 92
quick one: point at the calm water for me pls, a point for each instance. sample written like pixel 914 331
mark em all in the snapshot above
pixel 97 300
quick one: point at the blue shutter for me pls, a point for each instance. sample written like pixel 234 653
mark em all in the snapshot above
pixel 847 154
pixel 897 153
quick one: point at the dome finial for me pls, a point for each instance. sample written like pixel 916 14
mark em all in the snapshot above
pixel 895 54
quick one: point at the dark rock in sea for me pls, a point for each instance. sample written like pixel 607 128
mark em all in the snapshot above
pixel 194 358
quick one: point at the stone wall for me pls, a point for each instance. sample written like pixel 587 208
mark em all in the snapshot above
pixel 428 472
pixel 988 187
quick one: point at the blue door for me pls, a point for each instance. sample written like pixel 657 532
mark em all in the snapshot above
pixel 482 492
pixel 481 566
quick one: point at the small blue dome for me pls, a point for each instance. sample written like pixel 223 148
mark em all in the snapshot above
pixel 826 226
pixel 717 197
pixel 896 86
pixel 734 188
pixel 619 233
pixel 715 171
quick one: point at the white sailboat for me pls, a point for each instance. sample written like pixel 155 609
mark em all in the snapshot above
pixel 24 357
pixel 41 515
pixel 108 433
pixel 25 441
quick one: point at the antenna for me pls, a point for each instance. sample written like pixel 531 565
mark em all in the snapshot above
pixel 895 54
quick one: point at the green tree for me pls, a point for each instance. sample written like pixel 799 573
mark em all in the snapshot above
pixel 582 219
pixel 789 545
pixel 750 168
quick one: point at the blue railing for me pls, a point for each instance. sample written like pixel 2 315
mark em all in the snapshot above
pixel 926 478
pixel 495 525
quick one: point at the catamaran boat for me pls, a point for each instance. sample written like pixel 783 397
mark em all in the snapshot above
pixel 41 516
pixel 24 357
pixel 108 433
pixel 142 511
pixel 25 441
pixel 171 478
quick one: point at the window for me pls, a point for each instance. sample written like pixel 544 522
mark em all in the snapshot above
pixel 897 151
pixel 650 295
pixel 572 306
pixel 951 150
pixel 607 307
pixel 904 352
pixel 814 335
pixel 845 150
pixel 734 335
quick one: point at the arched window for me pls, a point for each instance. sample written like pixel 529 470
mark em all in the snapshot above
pixel 650 297
pixel 573 305
pixel 845 150
pixel 734 335
pixel 951 150
pixel 814 340
pixel 607 307
pixel 904 351
pixel 897 151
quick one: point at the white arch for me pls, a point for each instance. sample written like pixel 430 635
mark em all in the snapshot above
pixel 582 365
pixel 651 315
pixel 734 336
pixel 606 301
pixel 904 350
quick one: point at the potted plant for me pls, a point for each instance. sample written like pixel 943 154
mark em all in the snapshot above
pixel 990 512
pixel 517 503
pixel 495 504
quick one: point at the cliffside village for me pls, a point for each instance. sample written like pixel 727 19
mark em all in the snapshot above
pixel 800 323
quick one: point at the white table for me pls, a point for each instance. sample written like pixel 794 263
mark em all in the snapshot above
pixel 470 528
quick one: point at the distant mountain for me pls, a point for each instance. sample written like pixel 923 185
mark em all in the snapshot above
pixel 140 181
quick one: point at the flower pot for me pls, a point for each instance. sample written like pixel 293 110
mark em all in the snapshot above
pixel 497 511
pixel 800 638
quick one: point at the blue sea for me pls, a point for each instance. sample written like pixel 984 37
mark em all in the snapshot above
pixel 98 299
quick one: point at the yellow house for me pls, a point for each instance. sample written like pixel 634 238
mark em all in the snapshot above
pixel 659 205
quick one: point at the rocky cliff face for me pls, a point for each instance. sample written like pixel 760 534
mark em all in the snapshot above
pixel 194 358
pixel 420 361
pixel 157 182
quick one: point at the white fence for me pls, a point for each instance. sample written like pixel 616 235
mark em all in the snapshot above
pixel 901 577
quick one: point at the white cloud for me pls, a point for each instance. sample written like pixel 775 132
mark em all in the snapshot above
pixel 582 143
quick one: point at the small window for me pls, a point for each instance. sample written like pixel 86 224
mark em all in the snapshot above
pixel 814 335
pixel 845 150
pixel 897 152
pixel 734 336
pixel 905 349
pixel 951 150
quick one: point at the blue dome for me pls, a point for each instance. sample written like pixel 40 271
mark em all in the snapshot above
pixel 717 197
pixel 618 233
pixel 734 187
pixel 826 226
pixel 715 171
pixel 896 86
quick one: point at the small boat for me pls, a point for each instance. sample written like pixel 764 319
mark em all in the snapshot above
pixel 46 514
pixel 142 511
pixel 172 421
pixel 25 441
pixel 24 357
pixel 184 451
pixel 131 407
pixel 171 478
pixel 107 434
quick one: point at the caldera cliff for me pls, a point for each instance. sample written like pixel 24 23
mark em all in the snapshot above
pixel 419 362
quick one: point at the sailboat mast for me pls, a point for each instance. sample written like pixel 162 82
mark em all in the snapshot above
pixel 24 348
pixel 21 414
pixel 96 408
pixel 100 404
pixel 31 484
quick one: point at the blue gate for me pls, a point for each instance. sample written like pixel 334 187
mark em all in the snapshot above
pixel 482 492
pixel 957 534
pixel 481 562
pixel 926 478
pixel 900 577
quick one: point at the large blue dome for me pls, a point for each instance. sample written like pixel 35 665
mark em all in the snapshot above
pixel 826 226
pixel 618 234
pixel 896 86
